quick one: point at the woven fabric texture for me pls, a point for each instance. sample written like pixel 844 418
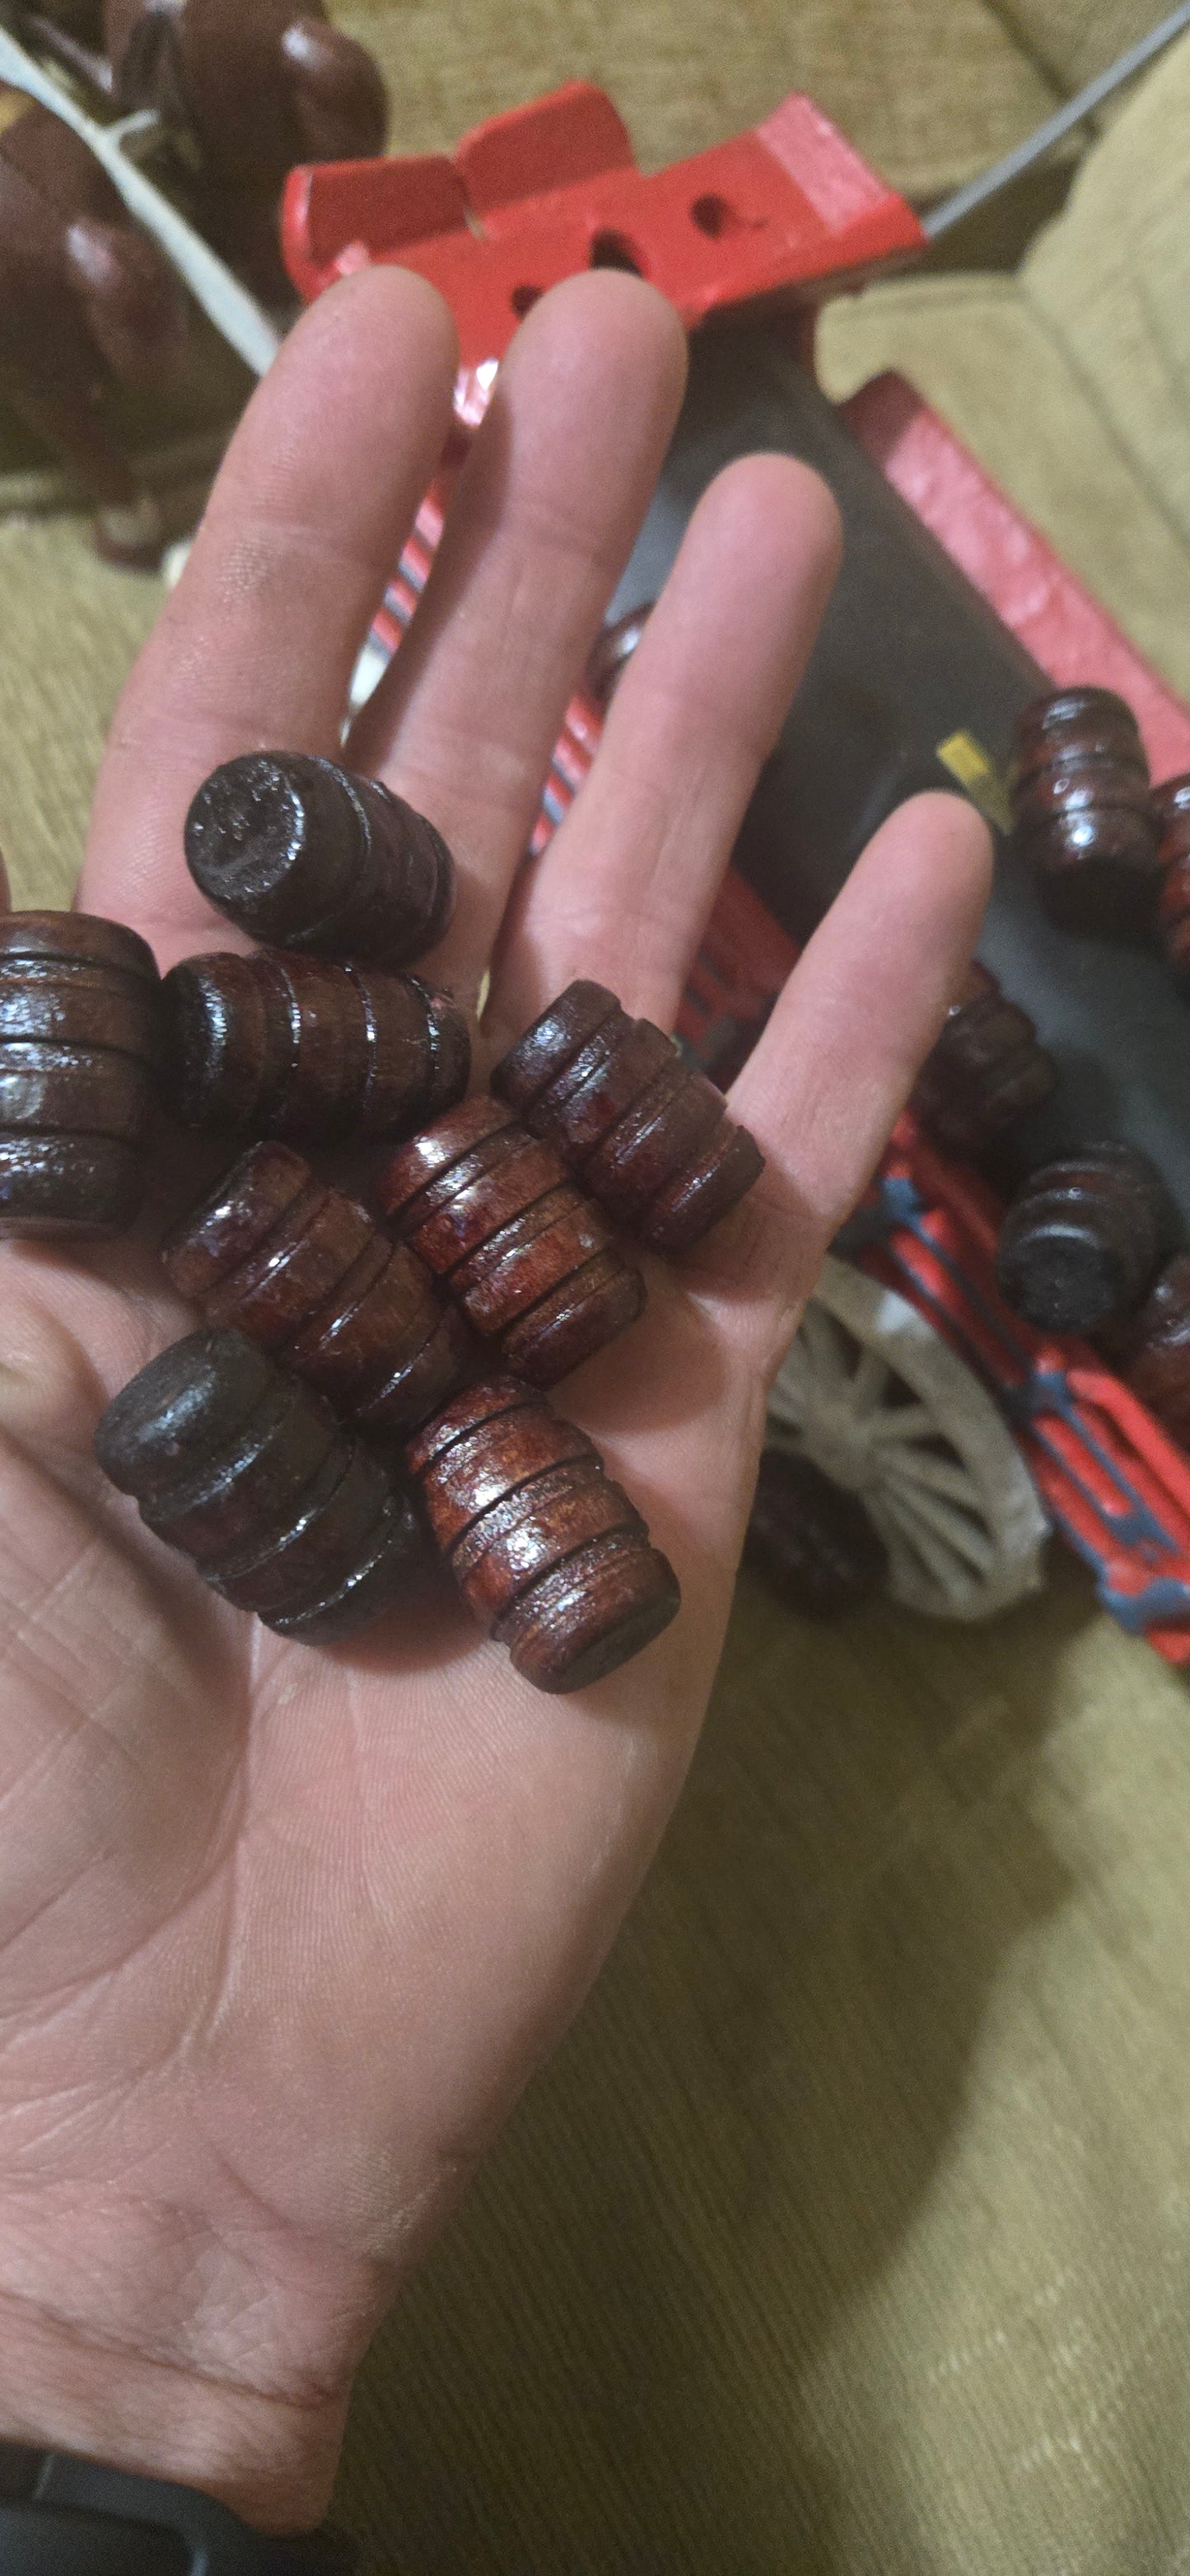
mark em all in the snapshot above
pixel 969 345
pixel 849 2232
pixel 1073 40
pixel 72 628
pixel 931 90
pixel 1112 283
pixel 1097 327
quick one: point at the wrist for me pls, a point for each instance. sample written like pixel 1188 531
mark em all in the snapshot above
pixel 272 2460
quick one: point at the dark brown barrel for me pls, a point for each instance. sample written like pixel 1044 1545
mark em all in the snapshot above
pixel 247 1472
pixel 1156 1360
pixel 302 1271
pixel 551 1556
pixel 612 652
pixel 1171 804
pixel 1083 1238
pixel 1083 811
pixel 307 1050
pixel 812 1542
pixel 985 1072
pixel 80 1059
pixel 303 854
pixel 498 1220
pixel 644 1133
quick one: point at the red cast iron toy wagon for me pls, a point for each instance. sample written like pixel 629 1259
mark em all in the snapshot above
pixel 908 1337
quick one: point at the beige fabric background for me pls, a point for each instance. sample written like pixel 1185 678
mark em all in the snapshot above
pixel 686 72
pixel 849 2232
pixel 1072 381
pixel 1075 39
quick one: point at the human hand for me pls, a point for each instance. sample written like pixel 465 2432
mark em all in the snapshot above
pixel 285 1930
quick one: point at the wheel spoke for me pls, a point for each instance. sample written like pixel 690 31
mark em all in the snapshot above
pixel 869 1388
pixel 824 1346
pixel 913 1466
pixel 870 1382
pixel 899 1526
pixel 791 1393
pixel 954 1530
pixel 904 1422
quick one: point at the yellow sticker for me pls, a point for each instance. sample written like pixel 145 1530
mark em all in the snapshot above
pixel 975 770
pixel 14 103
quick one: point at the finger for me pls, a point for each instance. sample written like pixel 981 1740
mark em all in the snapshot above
pixel 255 648
pixel 842 1050
pixel 542 523
pixel 625 887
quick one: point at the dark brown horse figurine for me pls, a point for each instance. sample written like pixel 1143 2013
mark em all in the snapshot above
pixel 251 87
pixel 84 295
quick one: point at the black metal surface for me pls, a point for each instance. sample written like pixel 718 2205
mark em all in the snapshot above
pixel 909 655
pixel 61 2515
pixel 45 2542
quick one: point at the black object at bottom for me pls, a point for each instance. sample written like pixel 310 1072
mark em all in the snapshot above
pixel 62 2516
pixel 810 1539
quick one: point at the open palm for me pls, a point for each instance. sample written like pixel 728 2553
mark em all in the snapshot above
pixel 284 1930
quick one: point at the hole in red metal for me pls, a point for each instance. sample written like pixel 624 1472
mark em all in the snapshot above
pixel 614 250
pixel 523 298
pixel 713 215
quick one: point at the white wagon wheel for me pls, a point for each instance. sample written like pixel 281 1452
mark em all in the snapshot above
pixel 873 1395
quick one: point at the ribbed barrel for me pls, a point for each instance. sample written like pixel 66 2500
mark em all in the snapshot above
pixel 1156 1362
pixel 302 1271
pixel 249 1474
pixel 307 1050
pixel 80 1056
pixel 1171 804
pixel 552 1558
pixel 645 1134
pixel 811 1540
pixel 1082 1240
pixel 303 854
pixel 497 1218
pixel 985 1072
pixel 1083 811
pixel 612 652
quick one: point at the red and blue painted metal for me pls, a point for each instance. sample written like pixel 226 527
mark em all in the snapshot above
pixel 783 216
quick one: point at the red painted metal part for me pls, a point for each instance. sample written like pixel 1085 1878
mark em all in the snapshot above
pixel 1061 622
pixel 1117 1487
pixel 552 189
